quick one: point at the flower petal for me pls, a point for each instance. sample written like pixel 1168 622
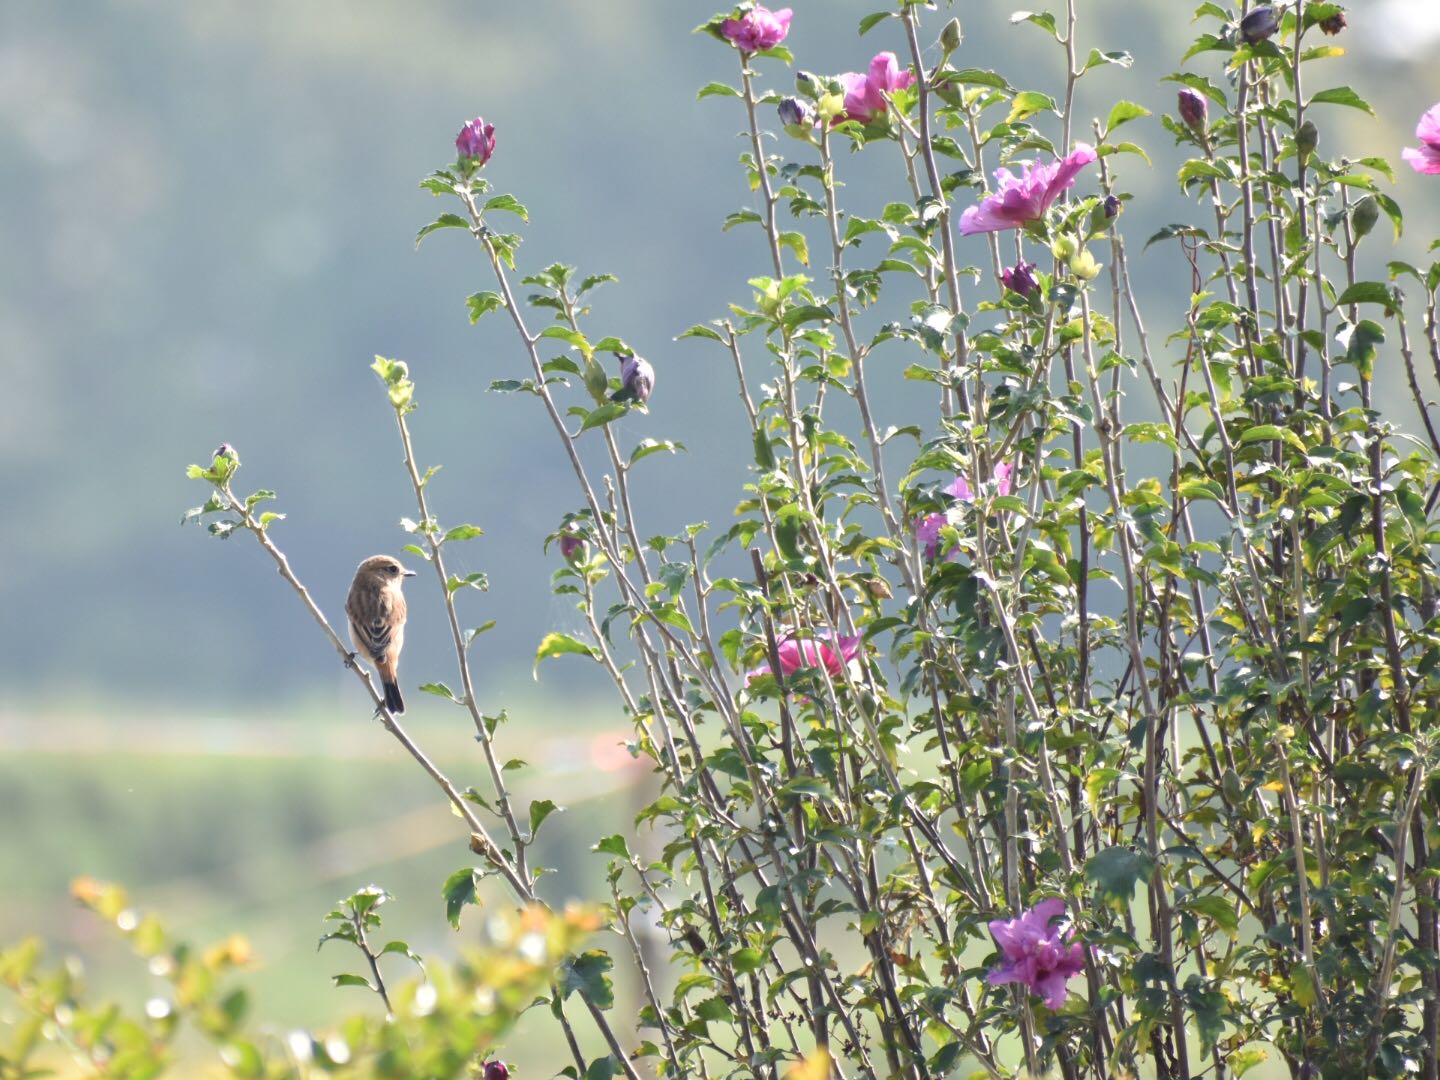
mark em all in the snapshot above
pixel 1424 160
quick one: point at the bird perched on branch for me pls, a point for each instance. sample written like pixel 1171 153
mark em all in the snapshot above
pixel 637 378
pixel 376 608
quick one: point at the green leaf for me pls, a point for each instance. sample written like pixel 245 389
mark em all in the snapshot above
pixel 459 890
pixel 717 89
pixel 1115 873
pixel 611 410
pixel 1122 112
pixel 1042 19
pixel 1342 95
pixel 540 809
pixel 701 331
pixel 1027 103
pixel 553 645
pixel 482 303
pixel 509 204
pixel 602 1068
pixel 439 689
pixel 586 973
pixel 613 845
pixel 795 241
pixel 645 447
pixel 874 19
pixel 570 337
pixel 1367 292
pixel 352 980
pixel 444 221
pixel 1361 341
pixel 464 532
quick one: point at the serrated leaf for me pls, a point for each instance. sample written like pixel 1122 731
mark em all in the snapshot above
pixel 599 417
pixel 1123 112
pixel 464 532
pixel 540 809
pixel 717 89
pixel 482 303
pixel 509 204
pixel 458 890
pixel 444 221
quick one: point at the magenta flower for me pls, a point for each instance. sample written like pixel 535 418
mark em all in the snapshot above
pixel 757 29
pixel 927 535
pixel 1037 954
pixel 496 1070
pixel 865 94
pixel 573 547
pixel 796 654
pixel 1427 158
pixel 476 141
pixel 1193 108
pixel 1023 199
pixel 1004 483
pixel 1020 278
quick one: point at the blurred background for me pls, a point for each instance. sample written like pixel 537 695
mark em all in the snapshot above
pixel 208 217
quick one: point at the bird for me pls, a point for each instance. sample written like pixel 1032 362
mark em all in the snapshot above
pixel 637 378
pixel 376 608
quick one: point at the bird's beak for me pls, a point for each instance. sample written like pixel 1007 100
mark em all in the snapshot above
pixel 408 573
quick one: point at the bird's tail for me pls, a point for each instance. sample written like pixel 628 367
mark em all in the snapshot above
pixel 393 701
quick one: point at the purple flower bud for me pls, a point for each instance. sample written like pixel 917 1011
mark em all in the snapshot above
pixel 496 1070
pixel 1112 206
pixel 1194 109
pixel 476 142
pixel 1334 24
pixel 225 450
pixel 1020 278
pixel 637 379
pixel 797 116
pixel 573 547
pixel 1259 25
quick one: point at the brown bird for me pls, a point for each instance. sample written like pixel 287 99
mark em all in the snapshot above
pixel 377 620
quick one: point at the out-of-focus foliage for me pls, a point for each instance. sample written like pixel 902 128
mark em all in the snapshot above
pixel 443 1025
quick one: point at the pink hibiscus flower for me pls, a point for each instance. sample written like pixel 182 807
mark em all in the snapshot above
pixel 1019 200
pixel 865 94
pixel 1036 953
pixel 758 29
pixel 1426 159
pixel 797 654
pixel 1004 483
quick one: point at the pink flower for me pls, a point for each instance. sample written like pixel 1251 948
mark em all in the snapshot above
pixel 1004 483
pixel 1037 954
pixel 927 535
pixel 1427 158
pixel 796 654
pixel 476 141
pixel 865 94
pixel 1022 199
pixel 758 29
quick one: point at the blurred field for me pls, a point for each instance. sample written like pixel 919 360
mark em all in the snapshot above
pixel 257 826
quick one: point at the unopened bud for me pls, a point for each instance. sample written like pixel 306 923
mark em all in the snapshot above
pixel 496 1070
pixel 1111 206
pixel 1084 266
pixel 573 548
pixel 1334 24
pixel 1306 139
pixel 1364 216
pixel 1194 109
pixel 1020 278
pixel 830 106
pixel 951 36
pixel 798 117
pixel 1062 247
pixel 1259 25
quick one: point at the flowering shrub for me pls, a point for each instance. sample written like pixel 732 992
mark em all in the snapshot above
pixel 981 748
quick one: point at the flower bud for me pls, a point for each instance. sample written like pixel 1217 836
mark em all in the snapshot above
pixel 951 36
pixel 1111 207
pixel 637 379
pixel 496 1070
pixel 1259 25
pixel 1364 216
pixel 1334 24
pixel 1063 247
pixel 807 84
pixel 1306 139
pixel 1020 278
pixel 476 142
pixel 1084 266
pixel 573 547
pixel 797 116
pixel 1194 109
